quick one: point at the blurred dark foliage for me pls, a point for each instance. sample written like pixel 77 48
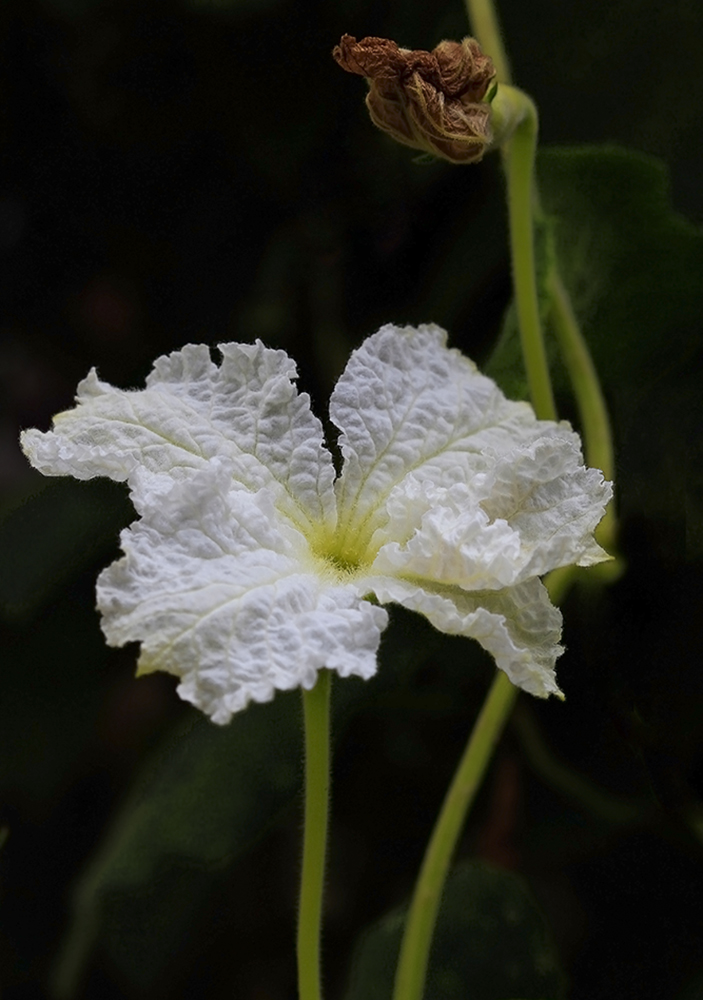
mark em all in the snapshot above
pixel 201 170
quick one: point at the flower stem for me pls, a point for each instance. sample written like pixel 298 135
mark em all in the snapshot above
pixel 483 19
pixel 515 113
pixel 597 435
pixel 316 710
pixel 519 155
pixel 594 415
pixel 419 926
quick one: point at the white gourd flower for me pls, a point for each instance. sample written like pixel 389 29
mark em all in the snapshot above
pixel 252 566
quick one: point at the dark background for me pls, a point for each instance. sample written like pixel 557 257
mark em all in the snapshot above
pixel 202 171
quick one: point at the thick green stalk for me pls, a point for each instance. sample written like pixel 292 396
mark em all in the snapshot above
pixel 485 28
pixel 589 397
pixel 483 18
pixel 515 113
pixel 595 423
pixel 422 915
pixel 424 907
pixel 316 709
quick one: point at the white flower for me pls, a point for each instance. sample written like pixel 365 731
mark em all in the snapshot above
pixel 252 567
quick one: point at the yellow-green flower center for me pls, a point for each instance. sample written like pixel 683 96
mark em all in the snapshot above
pixel 344 553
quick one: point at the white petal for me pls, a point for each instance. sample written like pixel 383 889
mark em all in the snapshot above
pixel 535 509
pixel 518 626
pixel 247 410
pixel 224 593
pixel 442 535
pixel 547 496
pixel 408 404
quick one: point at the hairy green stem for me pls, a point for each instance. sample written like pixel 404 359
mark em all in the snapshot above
pixel 316 710
pixel 485 28
pixel 424 907
pixel 483 18
pixel 595 423
pixel 582 372
pixel 515 115
pixel 422 915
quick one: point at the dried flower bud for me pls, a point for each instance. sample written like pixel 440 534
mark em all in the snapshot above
pixel 433 101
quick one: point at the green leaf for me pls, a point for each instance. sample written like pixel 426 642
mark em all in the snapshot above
pixel 634 270
pixel 204 798
pixel 491 942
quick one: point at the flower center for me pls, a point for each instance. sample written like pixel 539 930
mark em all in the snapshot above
pixel 338 552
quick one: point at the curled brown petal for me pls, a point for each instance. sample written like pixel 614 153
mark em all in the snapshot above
pixel 375 58
pixel 428 100
pixel 464 70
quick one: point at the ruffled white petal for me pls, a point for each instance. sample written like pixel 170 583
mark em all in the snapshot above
pixel 544 493
pixel 441 534
pixel 247 410
pixel 535 509
pixel 248 569
pixel 224 593
pixel 408 404
pixel 518 626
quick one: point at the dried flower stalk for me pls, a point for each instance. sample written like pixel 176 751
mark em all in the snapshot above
pixel 433 101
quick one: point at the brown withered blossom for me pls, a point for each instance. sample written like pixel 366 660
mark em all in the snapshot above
pixel 433 101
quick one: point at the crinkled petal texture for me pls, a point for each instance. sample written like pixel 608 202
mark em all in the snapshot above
pixel 518 626
pixel 251 568
pixel 536 509
pixel 460 498
pixel 192 411
pixel 423 431
pixel 224 593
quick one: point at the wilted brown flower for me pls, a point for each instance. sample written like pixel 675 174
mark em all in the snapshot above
pixel 431 101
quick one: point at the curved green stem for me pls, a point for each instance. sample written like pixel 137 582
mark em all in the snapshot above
pixel 485 28
pixel 597 436
pixel 515 114
pixel 316 708
pixel 595 423
pixel 424 907
pixel 582 372
pixel 422 915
